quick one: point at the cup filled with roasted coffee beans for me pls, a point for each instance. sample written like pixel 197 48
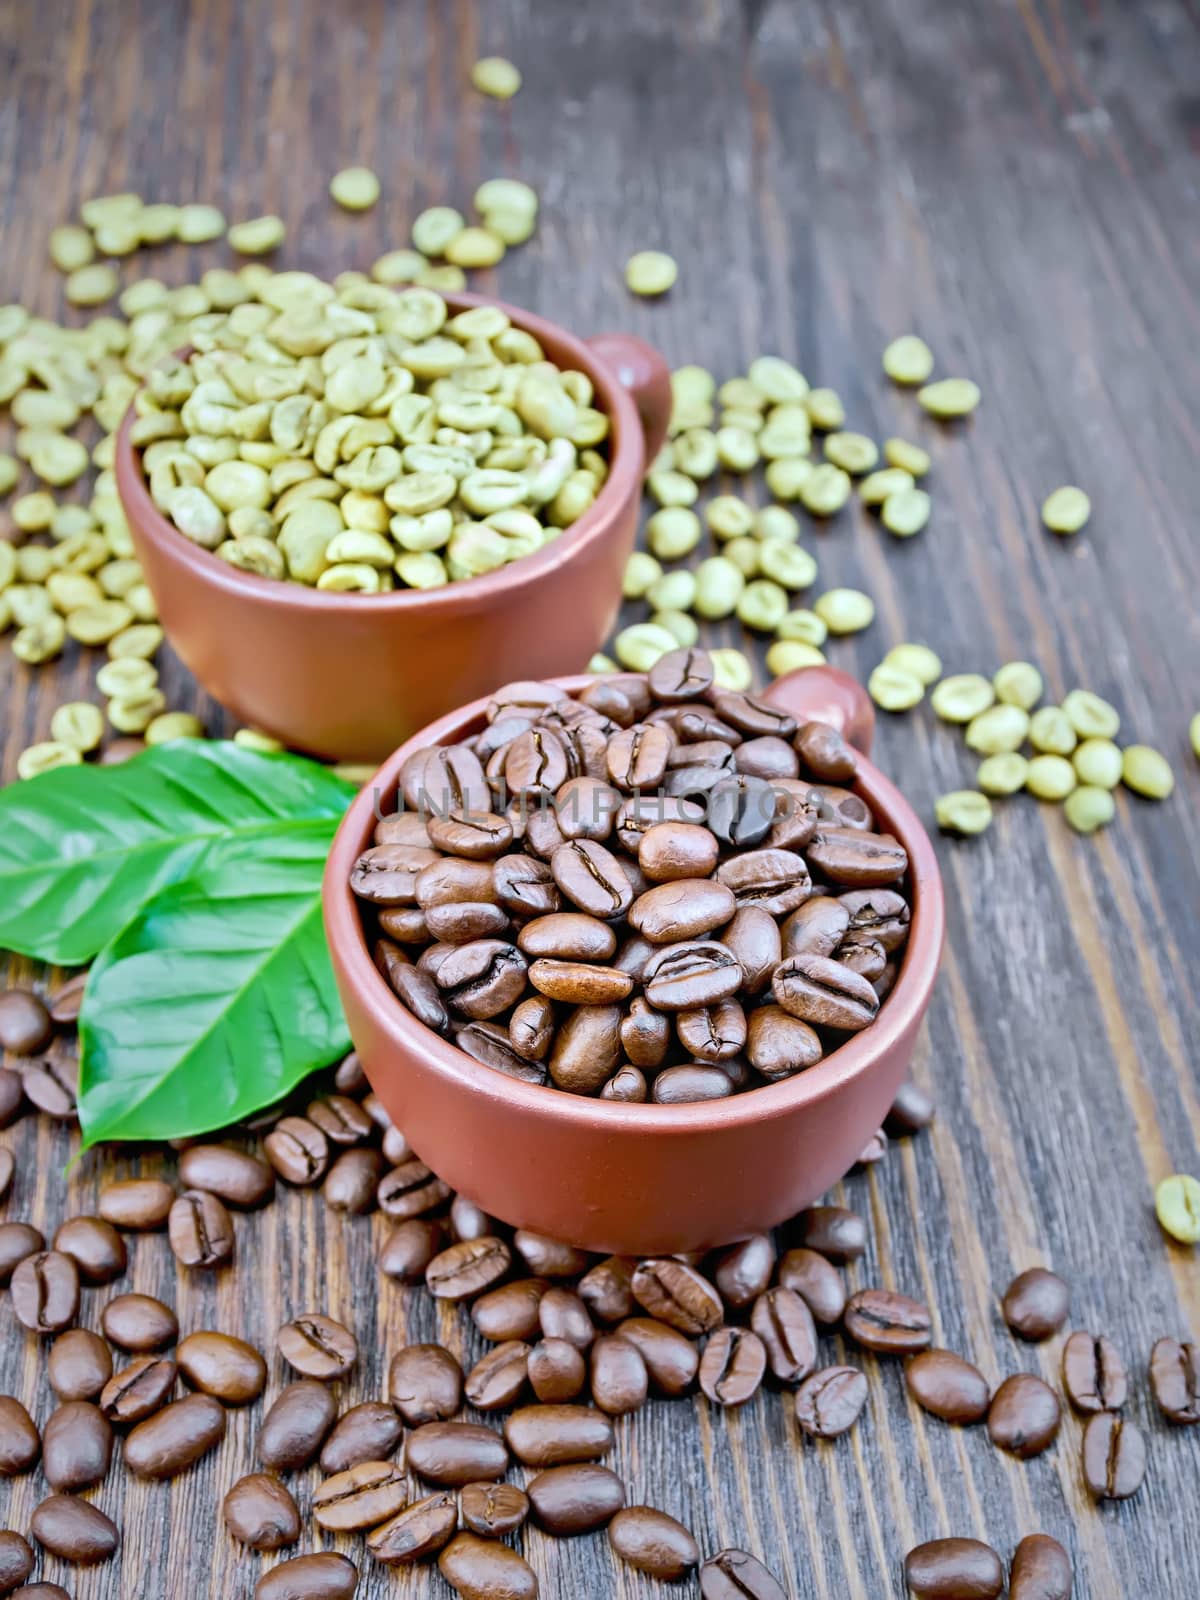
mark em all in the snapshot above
pixel 638 961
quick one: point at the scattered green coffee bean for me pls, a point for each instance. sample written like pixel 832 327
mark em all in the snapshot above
pixel 998 730
pixel 1098 763
pixel 641 570
pixel 728 517
pixel 496 77
pixel 1018 683
pixel 918 660
pixel 257 237
pixel 673 532
pixel 802 627
pixel 354 189
pixel 777 380
pixel 684 628
pixel 906 512
pixel 671 488
pixel 1066 510
pixel 696 453
pixel 908 457
pixel 398 266
pixel 785 655
pixel 78 725
pixel 893 689
pixel 876 487
pixel 639 646
pixel 1050 731
pixel 44 757
pixel 170 725
pixel 908 360
pixel 1194 735
pixel 732 670
pixel 650 272
pixel 824 491
pixel 71 247
pixel 853 452
pixel 787 476
pixel 962 697
pixel 737 450
pixel 255 739
pixel 674 591
pixel 787 564
pixel 762 605
pixel 1090 716
pixel 825 409
pixel 719 586
pixel 602 663
pixel 845 610
pixel 91 285
pixel 1146 772
pixel 1177 1207
pixel 475 248
pixel 433 229
pixel 10 472
pixel 199 224
pixel 1002 774
pixel 776 522
pixel 1050 777
pixel 949 398
pixel 963 811
pixel 1088 808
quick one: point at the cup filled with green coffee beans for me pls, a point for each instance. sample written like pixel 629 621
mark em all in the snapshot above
pixel 358 506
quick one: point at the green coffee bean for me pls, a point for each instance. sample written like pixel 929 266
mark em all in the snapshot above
pixel 98 623
pixel 1146 772
pixel 33 512
pixel 199 224
pixel 692 385
pixel 674 591
pixel 433 229
pixel 845 610
pixel 602 663
pixel 639 646
pixel 776 522
pixel 727 517
pixel 1018 683
pixel 777 380
pixel 825 409
pixel 696 453
pixel 998 730
pixel 802 627
pixel 197 515
pixel 731 670
pixel 505 194
pixel 1002 774
pixel 78 725
pixel 908 457
pixel 354 189
pixel 876 487
pixel 744 552
pixel 44 757
pixel 134 713
pixel 39 641
pixel 894 689
pixel 762 605
pixel 786 433
pixel 737 449
pixel 1193 731
pixel 751 421
pixel 255 739
pixel 961 697
pixel 906 512
pixel 650 272
pixel 908 360
pixel 173 725
pixel 671 488
pixel 949 398
pixel 786 655
pixel 918 660
pixel 475 248
pixel 1097 763
pixel 788 564
pixel 719 585
pixel 91 285
pixel 824 491
pixel 641 570
pixel 963 811
pixel 140 641
pixel 853 452
pixel 787 476
pixel 1050 731
pixel 257 237
pixel 1050 777
pixel 10 471
pixel 673 532
pixel 71 247
pixel 496 77
pixel 678 623
pixel 740 394
pixel 1066 510
pixel 398 266
pixel 1090 716
pixel 1177 1207
pixel 1087 808
pixel 122 678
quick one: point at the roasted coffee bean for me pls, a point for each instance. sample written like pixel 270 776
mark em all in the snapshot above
pixel 468 1268
pixel 947 1386
pixel 368 1432
pixel 752 715
pixel 386 874
pixel 238 1179
pixel 260 1512
pixel 673 850
pixel 607 1289
pixel 170 1441
pixel 326 1576
pixel 496 1380
pixel 619 1378
pixel 587 1048
pixel 954 1569
pixel 95 1246
pixel 836 1233
pixel 139 1322
pixel 16 1560
pixel 74 1531
pixel 1093 1373
pixel 824 753
pixel 784 1324
pixel 732 1366
pixel 677 1294
pixel 652 1542
pixel 741 808
pixel 842 811
pixel 879 914
pixel 510 1312
pixel 200 1230
pixel 766 757
pixel 414 985
pixel 734 1575
pixel 912 1109
pixel 341 1119
pixel 12 1097
pixel 818 1283
pixel 139 1205
pixel 684 909
pixel 744 1271
pixel 469 1221
pixel 779 1044
pixel 51 1084
pixel 448 881
pixel 563 1315
pixel 713 1033
pixel 296 1425
pixel 524 887
pixel 403 827
pixel 355 1185
pixel 776 881
pixel 1036 1304
pixel 586 808
pixel 1041 1570
pixel 592 878
pixel 1114 1457
pixel 138 1390
pixel 636 758
pixel 409 1190
pixel 419 1531
pixel 25 1025
pixel 797 813
pixel 485 1569
pixel 552 1435
pixel 549 1258
pixel 43 1591
pixel 77 1446
pixel 816 928
pixel 298 1150
pixel 888 1323
pixel 690 1083
pixel 752 936
pixel 681 675
pixel 361 1497
pixel 465 920
pixel 557 1371
pixel 641 812
pixel 402 925
pixel 395 1147
pixel 571 1500
pixel 425 1384
pixel 454 1453
pixel 491 1043
pixel 628 1084
pixel 317 1347
pixel 443 779
pixel 493 1510
pixel 45 1291
pixel 671 1359
pixel 580 983
pixel 474 835
pixel 535 762
pixel 1024 1416
pixel 611 698
pixel 867 957
pixel 684 976
pixel 20 1443
pixel 824 993
pixel 220 1365
pixel 531 1028
pixel 79 1365
pixel 1175 1381
pixel 568 936
pixel 830 1402
pixel 483 978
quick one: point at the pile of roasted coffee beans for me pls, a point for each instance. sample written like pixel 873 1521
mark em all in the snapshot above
pixel 656 890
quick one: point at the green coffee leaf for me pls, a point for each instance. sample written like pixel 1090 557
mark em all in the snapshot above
pixel 217 998
pixel 82 848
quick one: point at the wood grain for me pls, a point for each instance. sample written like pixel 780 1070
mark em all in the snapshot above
pixel 1018 182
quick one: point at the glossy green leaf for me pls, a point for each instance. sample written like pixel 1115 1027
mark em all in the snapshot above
pixel 82 848
pixel 217 998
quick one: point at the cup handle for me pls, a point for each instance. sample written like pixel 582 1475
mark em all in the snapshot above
pixel 640 369
pixel 826 694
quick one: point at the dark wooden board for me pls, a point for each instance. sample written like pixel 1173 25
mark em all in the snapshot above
pixel 1016 181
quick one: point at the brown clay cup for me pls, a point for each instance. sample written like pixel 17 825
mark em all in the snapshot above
pixel 348 676
pixel 639 1179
